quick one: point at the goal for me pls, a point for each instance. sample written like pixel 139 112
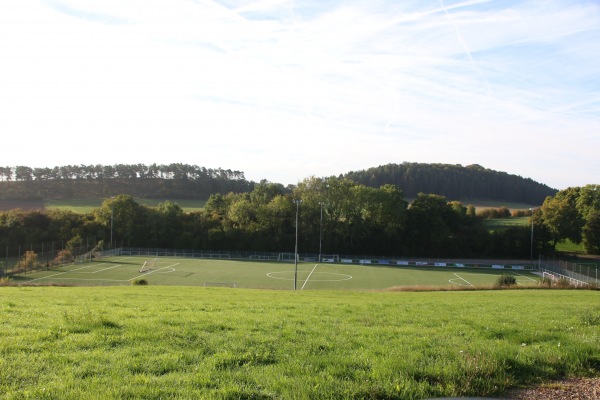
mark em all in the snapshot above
pixel 548 275
pixel 149 265
pixel 330 258
pixel 287 257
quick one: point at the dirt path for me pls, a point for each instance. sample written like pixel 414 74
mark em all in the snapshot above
pixel 569 389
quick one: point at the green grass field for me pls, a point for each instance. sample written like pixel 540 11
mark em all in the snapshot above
pixel 268 275
pixel 83 206
pixel 495 224
pixel 483 204
pixel 158 342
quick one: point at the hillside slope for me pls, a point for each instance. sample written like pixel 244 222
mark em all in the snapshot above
pixel 181 181
pixel 455 182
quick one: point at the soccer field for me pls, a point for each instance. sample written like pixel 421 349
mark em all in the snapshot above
pixel 123 270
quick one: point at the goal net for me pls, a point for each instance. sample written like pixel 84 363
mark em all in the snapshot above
pixel 330 258
pixel 287 257
pixel 149 265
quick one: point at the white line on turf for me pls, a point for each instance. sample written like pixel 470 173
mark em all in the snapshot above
pixel 103 269
pixel 526 277
pixel 154 270
pixel 60 273
pixel 308 277
pixel 460 277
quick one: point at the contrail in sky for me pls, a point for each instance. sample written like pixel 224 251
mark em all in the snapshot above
pixel 465 46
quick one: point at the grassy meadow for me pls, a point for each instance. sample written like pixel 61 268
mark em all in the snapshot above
pixel 83 206
pixel 156 342
pixel 495 224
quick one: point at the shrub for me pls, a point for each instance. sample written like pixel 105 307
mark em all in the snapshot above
pixel 63 257
pixel 28 261
pixel 506 280
pixel 563 283
pixel 139 282
pixel 546 281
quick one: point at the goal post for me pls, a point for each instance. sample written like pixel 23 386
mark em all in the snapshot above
pixel 330 258
pixel 149 265
pixel 549 275
pixel 286 257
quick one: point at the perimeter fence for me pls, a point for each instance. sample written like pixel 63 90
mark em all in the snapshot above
pixel 23 259
pixel 585 271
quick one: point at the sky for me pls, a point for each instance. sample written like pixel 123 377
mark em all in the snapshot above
pixel 288 89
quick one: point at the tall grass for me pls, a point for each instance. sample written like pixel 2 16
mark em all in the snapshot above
pixel 155 342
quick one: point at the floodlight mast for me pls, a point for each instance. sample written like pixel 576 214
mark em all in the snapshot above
pixel 531 245
pixel 297 202
pixel 321 231
pixel 112 216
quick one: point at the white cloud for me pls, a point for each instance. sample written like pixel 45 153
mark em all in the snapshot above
pixel 283 89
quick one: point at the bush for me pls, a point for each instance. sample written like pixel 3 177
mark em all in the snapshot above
pixel 563 283
pixel 139 282
pixel 546 281
pixel 506 280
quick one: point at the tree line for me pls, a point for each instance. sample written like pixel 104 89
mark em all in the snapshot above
pixel 573 214
pixel 191 181
pixel 335 216
pixel 149 181
pixel 454 182
pixel 168 171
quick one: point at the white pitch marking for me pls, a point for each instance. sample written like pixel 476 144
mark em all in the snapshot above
pixel 156 270
pixel 103 269
pixel 60 273
pixel 526 277
pixel 308 277
pixel 460 277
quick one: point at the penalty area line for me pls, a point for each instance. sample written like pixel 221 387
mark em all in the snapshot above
pixel 460 277
pixel 526 277
pixel 308 277
pixel 153 271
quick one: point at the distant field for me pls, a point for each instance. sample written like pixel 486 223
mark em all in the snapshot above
pixel 482 204
pixel 6 205
pixel 84 206
pixel 123 270
pixel 570 247
pixel 503 223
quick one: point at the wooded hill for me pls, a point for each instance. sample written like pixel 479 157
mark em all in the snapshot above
pixel 173 181
pixel 183 181
pixel 455 182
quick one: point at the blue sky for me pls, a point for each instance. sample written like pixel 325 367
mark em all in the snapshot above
pixel 287 89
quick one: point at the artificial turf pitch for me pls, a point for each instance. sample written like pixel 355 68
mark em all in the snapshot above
pixel 123 270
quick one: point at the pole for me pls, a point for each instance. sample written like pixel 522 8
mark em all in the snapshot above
pixel 297 202
pixel 112 215
pixel 321 232
pixel 531 245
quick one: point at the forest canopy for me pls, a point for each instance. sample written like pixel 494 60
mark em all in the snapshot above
pixel 182 181
pixel 455 182
pixel 335 216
